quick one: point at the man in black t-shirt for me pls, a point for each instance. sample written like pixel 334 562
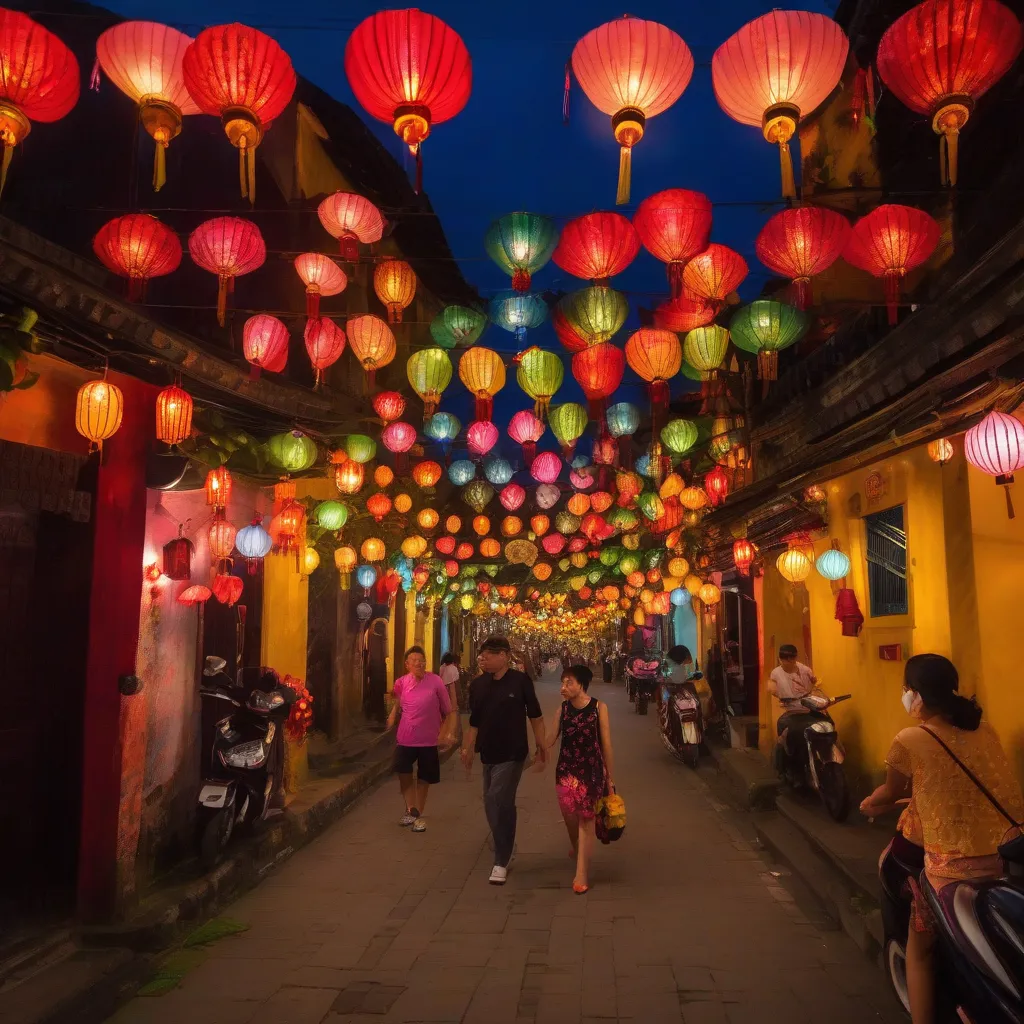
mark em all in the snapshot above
pixel 500 702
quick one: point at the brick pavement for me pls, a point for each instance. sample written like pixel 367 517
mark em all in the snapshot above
pixel 685 922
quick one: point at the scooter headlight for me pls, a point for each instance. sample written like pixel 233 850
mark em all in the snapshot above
pixel 245 755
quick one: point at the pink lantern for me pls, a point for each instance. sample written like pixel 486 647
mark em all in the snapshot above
pixel 526 429
pixel 399 437
pixel 553 543
pixel 996 446
pixel 325 342
pixel 547 495
pixel 265 344
pixel 546 468
pixel 512 496
pixel 481 437
pixel 577 544
pixel 581 480
pixel 321 276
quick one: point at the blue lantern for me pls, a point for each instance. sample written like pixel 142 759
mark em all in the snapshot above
pixel 461 472
pixel 623 419
pixel 643 465
pixel 366 576
pixel 497 470
pixel 443 428
pixel 680 597
pixel 833 564
pixel 254 544
pixel 517 313
pixel 581 461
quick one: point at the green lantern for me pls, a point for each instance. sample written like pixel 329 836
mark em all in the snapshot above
pixel 360 448
pixel 654 557
pixel 477 494
pixel 679 436
pixel 564 564
pixel 690 372
pixel 623 519
pixel 610 555
pixel 765 327
pixel 567 423
pixel 628 564
pixel 704 349
pixel 521 243
pixel 566 523
pixel 594 576
pixel 458 326
pixel 596 313
pixel 540 376
pixel 292 451
pixel 331 515
pixel 429 372
pixel 651 505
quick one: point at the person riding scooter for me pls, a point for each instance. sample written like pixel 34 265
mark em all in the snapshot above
pixel 789 683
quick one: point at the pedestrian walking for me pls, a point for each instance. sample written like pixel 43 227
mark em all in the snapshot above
pixel 584 771
pixel 421 707
pixel 501 700
pixel 450 676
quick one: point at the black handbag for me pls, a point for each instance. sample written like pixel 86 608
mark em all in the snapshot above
pixel 1011 849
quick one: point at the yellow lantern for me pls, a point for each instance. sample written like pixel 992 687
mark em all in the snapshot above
pixel 709 594
pixel 631 541
pixel 428 519
pixel 383 476
pixel 940 450
pixel 678 566
pixel 794 565
pixel 693 584
pixel 98 412
pixel 577 582
pixel 453 524
pixel 671 486
pixel 373 549
pixel 403 503
pixel 310 560
pixel 467 601
pixel 578 559
pixel 639 617
pixel 693 498
pixel 414 546
pixel 345 559
pixel 395 284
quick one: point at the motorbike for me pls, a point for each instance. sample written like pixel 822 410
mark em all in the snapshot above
pixel 817 764
pixel 642 675
pixel 241 745
pixel 979 955
pixel 681 721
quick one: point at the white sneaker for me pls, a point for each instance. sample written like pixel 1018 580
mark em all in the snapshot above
pixel 419 825
pixel 408 819
pixel 498 875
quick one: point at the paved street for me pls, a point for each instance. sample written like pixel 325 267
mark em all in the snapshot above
pixel 686 921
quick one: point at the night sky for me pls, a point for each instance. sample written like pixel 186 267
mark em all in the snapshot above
pixel 510 150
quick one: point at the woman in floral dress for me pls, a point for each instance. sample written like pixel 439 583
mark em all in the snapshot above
pixel 585 767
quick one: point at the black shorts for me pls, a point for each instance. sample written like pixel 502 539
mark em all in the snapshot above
pixel 426 760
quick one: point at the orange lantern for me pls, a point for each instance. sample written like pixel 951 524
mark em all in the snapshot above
pixel 98 410
pixel 481 526
pixel 511 526
pixel 428 519
pixel 601 501
pixel 348 477
pixel 403 503
pixel 679 566
pixel 383 476
pixel 542 571
pixel 395 284
pixel 378 505
pixel 346 559
pixel 713 275
pixel 173 415
pixel 709 594
pixel 653 575
pixel 373 549
pixel 351 219
pixel 453 524
pixel 426 474
pixel 579 504
pixel 483 373
pixel 490 548
pixel 321 276
pixel 372 342
pixel 464 551
pixel 540 525
pixel 222 539
pixel 940 450
pixel 218 488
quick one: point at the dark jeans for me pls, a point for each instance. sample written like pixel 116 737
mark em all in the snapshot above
pixel 796 722
pixel 500 784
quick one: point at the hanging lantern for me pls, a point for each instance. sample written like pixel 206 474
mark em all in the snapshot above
pixel 553 544
pixel 996 446
pixel 679 567
pixel 568 422
pixel 265 344
pixel 540 525
pixel 221 540
pixel 794 565
pixel 173 415
pixel 372 342
pixel 194 595
pixel 227 247
pixel 383 477
pixel 940 450
pixel 589 316
pixel 443 428
pixel 395 284
pixel 540 376
pixel 378 505
pixel 348 477
pixel 99 406
pixel 457 326
pixel 477 494
pixel 331 515
pixel 518 313
pixel 776 69
pixel 599 372
pixel 360 448
pixel 399 437
pixel 242 76
pixel 403 504
pixel 546 468
pixel 136 246
pixel 429 372
pixel 692 498
pixel 889 242
pixel 800 242
pixel 286 527
pixel 345 560
pixel 39 80
pixel 512 496
pixel 481 437
pixel 655 356
pixel 743 554
pixel 310 560
pixel 521 243
pixel 716 486
pixel 683 314
pixel 714 275
pixel 679 436
pixel 352 219
pixel 388 405
pixel 177 558
pixel 483 373
pixel 481 525
pixel 373 549
pixel 704 349
pixel 597 246
pixel 632 70
pixel 674 226
pixel 426 475
pixel 410 70
pixel 498 470
pixel 489 548
pixel 254 544
pixel 218 488
pixel 325 342
pixel 461 472
pixel 833 564
pixel 764 328
pixel 709 594
pixel 526 429
pixel 427 519
pixel 292 451
pixel 941 56
pixel 321 276
pixel 815 495
pixel 511 526
pixel 446 545
pixel 578 504
pixel 564 330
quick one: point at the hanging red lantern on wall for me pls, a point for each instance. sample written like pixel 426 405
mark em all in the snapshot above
pixel 599 372
pixel 39 80
pixel 996 446
pixel 526 430
pixel 242 76
pixel 800 242
pixel 352 219
pixel 631 70
pixel 321 276
pixel 139 247
pixel 227 247
pixel 743 553
pixel 265 344
pixel 889 242
pixel 410 70
pixel 597 246
pixel 674 226
pixel 714 274
pixel 173 415
pixel 941 56
pixel 325 342
pixel 218 488
pixel 177 557
pixel 395 284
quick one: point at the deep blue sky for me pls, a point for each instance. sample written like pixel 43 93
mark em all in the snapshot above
pixel 509 149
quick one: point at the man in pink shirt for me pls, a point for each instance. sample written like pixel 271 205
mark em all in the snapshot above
pixel 421 705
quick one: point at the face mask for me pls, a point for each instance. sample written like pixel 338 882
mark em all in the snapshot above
pixel 910 699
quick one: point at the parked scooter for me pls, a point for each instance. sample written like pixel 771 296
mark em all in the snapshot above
pixel 643 672
pixel 241 752
pixel 979 955
pixel 681 720
pixel 819 755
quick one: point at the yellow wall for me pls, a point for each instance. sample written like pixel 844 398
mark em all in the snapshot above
pixel 285 616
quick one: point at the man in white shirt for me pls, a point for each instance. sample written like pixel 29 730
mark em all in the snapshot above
pixel 790 681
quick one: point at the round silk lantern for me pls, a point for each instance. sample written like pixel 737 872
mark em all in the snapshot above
pixel 429 372
pixel 591 316
pixel 325 342
pixel 173 415
pixel 597 246
pixel 680 597
pixel 655 356
pixel 704 349
pixel 443 428
pixel 674 226
pixel 481 437
pixel 599 371
pixel 833 564
pixel 426 475
pixel 794 565
pixel 352 219
pixel 292 451
pixel 427 519
pixel 137 247
pixel 360 448
pixel 373 549
pixel 716 486
pixel 498 470
pixel 679 436
pixel 683 314
pixel 395 284
pixel 521 243
pixel 764 328
pixel 517 313
pixel 372 342
pixel 99 407
pixel 540 376
pixel 254 544
pixel 940 450
pixel 265 344
pixel 546 468
pixel 483 373
pixel 227 247
pixel 389 406
pixel 331 515
pixel 548 495
pixel 477 494
pixel 461 472
pixel 218 488
pixel 568 422
pixel 321 276
pixel 378 505
pixel 399 437
pixel 526 430
pixel 512 496
pixel 713 275
pixel 743 553
pixel 457 326
pixel 996 446
pixel 709 594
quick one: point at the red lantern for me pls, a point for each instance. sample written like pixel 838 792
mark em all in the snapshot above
pixel 265 344
pixel 321 276
pixel 194 595
pixel 227 589
pixel 464 551
pixel 595 528
pixel 451 568
pixel 173 415
pixel 287 526
pixel 890 242
pixel 325 342
pixel 348 477
pixel 410 70
pixel 683 315
pixel 941 56
pixel 39 80
pixel 565 331
pixel 218 488
pixel 242 76
pixel 138 247
pixel 378 505
pixel 743 553
pixel 227 247
pixel 996 446
pixel 800 242
pixel 714 274
pixel 716 486
pixel 351 219
pixel 512 496
pixel 481 437
pixel 177 558
pixel 388 405
pixel 599 371
pixel 546 468
pixel 553 543
pixel 674 226
pixel 426 474
pixel 597 246
pixel 446 545
pixel 526 429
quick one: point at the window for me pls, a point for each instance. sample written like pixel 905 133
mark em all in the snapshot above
pixel 887 562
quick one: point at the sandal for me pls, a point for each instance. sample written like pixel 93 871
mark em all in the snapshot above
pixel 580 889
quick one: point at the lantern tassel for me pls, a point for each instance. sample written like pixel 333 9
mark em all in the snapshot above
pixel 768 364
pixel 484 406
pixel 565 94
pixel 222 298
pixel 625 175
pixel 419 169
pixel 1010 514
pixel 529 453
pixel 949 144
pixel 786 166
pixel 312 305
pixel 159 167
pixel 5 164
pixel 675 278
pixel 892 295
pixel 254 371
pixel 94 78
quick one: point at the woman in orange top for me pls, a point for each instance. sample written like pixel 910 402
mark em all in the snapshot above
pixel 959 829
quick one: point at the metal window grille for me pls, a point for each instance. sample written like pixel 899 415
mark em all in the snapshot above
pixel 887 562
